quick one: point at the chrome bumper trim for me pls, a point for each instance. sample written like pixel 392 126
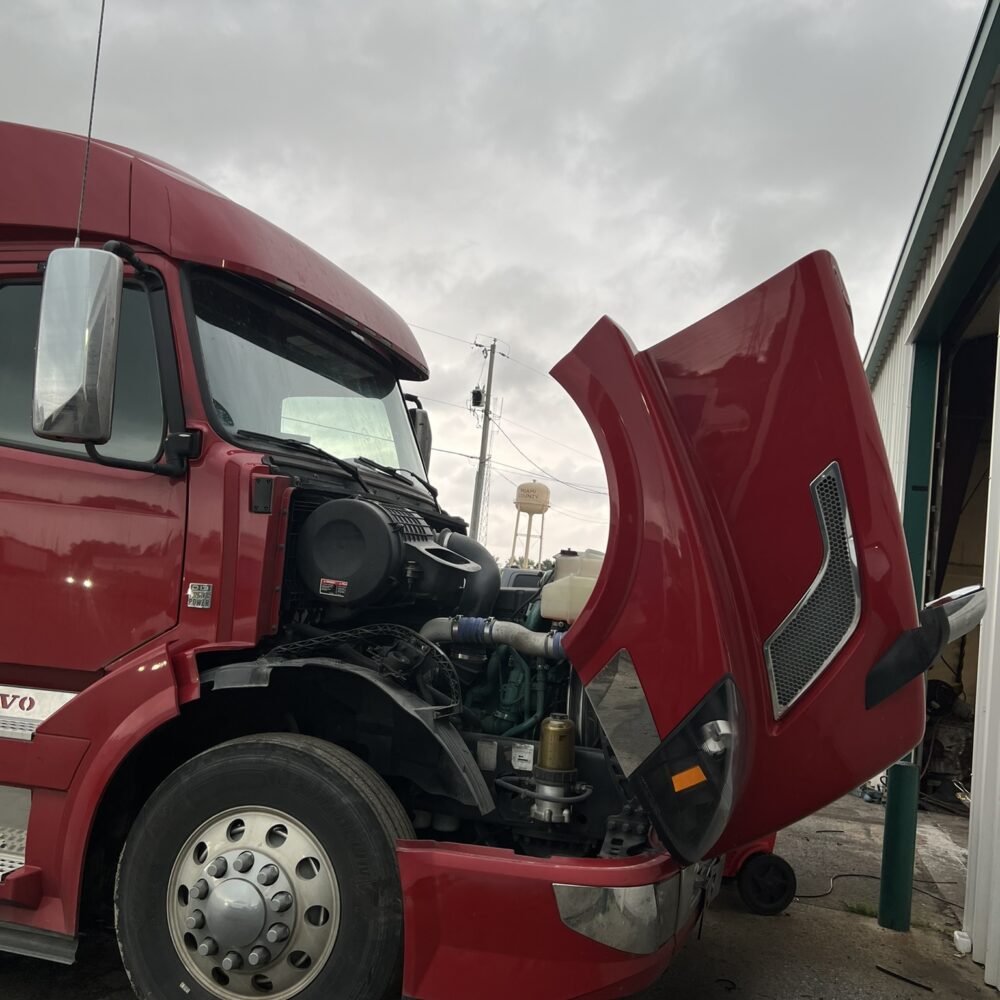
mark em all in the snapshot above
pixel 638 919
pixel 621 705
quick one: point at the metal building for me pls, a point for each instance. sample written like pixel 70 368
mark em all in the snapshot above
pixel 932 364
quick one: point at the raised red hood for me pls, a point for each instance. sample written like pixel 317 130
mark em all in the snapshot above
pixel 756 560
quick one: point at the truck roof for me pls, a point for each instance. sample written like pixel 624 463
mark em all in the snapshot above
pixel 134 197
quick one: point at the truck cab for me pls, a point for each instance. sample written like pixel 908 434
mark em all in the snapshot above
pixel 267 708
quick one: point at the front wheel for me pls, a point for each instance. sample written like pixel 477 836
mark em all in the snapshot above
pixel 265 867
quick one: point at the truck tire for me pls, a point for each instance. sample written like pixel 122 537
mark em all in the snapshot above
pixel 264 867
pixel 767 884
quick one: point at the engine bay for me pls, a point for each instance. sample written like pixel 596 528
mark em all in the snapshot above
pixel 407 597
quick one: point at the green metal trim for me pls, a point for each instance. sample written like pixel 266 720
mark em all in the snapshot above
pixel 919 460
pixel 899 847
pixel 900 837
pixel 977 78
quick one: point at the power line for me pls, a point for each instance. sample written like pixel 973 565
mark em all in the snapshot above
pixel 460 454
pixel 443 402
pixel 449 336
pixel 515 423
pixel 583 488
pixel 531 430
pixel 531 368
pixel 476 343
pixel 579 517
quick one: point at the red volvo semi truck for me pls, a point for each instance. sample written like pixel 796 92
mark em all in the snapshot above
pixel 266 706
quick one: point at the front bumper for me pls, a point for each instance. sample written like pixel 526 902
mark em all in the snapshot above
pixel 488 923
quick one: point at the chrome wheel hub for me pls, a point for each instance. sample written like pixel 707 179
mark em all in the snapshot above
pixel 253 905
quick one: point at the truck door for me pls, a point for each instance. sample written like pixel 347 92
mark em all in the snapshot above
pixel 756 569
pixel 90 556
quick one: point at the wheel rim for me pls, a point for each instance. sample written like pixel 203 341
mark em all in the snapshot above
pixel 253 905
pixel 770 883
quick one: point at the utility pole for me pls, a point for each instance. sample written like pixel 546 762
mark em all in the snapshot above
pixel 477 496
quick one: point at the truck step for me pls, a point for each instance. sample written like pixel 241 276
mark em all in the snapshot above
pixel 18 729
pixel 23 710
pixel 12 842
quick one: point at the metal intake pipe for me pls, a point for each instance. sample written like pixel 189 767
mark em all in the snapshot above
pixel 482 588
pixel 490 632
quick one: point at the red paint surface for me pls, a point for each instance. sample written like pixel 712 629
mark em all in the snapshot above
pixel 134 197
pixel 482 922
pixel 736 859
pixel 711 440
pixel 99 549
pixel 127 643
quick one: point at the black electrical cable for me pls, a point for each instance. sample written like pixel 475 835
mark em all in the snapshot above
pixel 877 878
pixel 509 786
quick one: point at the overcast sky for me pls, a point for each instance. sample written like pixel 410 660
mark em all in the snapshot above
pixel 518 169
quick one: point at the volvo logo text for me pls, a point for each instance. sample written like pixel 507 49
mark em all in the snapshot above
pixel 24 702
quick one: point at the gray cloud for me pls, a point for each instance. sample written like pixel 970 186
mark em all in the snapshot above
pixel 518 169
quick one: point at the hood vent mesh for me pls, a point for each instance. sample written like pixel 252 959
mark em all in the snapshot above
pixel 817 628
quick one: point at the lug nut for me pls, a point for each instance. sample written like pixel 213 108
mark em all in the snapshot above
pixel 281 901
pixel 268 875
pixel 277 933
pixel 244 862
pixel 208 947
pixel 258 957
pixel 200 889
pixel 195 921
pixel 217 868
pixel 232 961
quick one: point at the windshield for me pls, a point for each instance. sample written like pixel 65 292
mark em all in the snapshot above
pixel 275 367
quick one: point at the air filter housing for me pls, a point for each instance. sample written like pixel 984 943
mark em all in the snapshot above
pixel 356 553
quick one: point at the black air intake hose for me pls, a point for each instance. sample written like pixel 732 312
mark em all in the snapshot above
pixel 482 588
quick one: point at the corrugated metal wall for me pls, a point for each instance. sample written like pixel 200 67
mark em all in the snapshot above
pixel 972 182
pixel 891 393
pixel 893 373
pixel 978 170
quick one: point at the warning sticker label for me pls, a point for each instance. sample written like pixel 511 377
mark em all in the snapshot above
pixel 332 588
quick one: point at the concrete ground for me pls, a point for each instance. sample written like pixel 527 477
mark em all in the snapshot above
pixel 820 949
pixel 831 947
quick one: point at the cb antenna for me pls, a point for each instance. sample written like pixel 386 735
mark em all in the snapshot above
pixel 90 127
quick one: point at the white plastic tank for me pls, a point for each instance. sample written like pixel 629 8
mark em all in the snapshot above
pixel 574 575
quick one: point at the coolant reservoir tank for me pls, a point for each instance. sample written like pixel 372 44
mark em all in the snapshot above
pixel 573 577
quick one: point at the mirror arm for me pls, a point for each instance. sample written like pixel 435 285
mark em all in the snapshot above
pixel 127 254
pixel 179 450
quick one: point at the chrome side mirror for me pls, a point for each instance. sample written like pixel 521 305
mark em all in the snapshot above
pixel 77 346
pixel 942 621
pixel 963 611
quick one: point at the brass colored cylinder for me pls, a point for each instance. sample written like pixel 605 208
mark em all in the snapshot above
pixel 558 744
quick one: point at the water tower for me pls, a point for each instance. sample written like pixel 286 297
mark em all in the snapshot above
pixel 531 499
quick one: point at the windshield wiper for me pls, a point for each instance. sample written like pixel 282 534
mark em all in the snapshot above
pixel 310 449
pixel 397 473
